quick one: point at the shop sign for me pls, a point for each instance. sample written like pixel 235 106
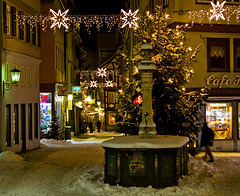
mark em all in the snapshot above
pixel 138 99
pixel 212 80
pixel 63 90
pixel 76 89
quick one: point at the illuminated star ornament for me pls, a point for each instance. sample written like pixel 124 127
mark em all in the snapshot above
pixel 59 18
pixel 93 84
pixel 109 84
pixel 101 72
pixel 217 10
pixel 130 18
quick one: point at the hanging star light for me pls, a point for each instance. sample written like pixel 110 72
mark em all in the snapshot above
pixel 217 10
pixel 93 84
pixel 130 18
pixel 109 84
pixel 101 72
pixel 59 18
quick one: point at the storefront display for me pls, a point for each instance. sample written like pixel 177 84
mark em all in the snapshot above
pixel 45 110
pixel 219 119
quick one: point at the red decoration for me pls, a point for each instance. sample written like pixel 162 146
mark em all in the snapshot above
pixel 138 99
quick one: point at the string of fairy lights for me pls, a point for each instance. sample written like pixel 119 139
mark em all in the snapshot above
pixel 126 19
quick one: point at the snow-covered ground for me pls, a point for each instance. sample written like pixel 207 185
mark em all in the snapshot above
pixel 76 169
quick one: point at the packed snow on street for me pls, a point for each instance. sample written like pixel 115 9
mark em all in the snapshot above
pixel 71 169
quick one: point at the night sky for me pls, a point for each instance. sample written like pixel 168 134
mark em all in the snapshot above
pixel 98 7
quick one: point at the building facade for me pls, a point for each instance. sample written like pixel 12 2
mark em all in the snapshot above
pixel 218 67
pixel 20 49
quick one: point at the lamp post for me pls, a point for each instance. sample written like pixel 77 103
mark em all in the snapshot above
pixel 15 77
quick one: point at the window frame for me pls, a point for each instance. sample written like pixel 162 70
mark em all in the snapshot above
pixel 219 42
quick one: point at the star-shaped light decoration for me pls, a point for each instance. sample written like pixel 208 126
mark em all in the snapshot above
pixel 102 72
pixel 130 18
pixel 59 19
pixel 93 84
pixel 109 84
pixel 217 10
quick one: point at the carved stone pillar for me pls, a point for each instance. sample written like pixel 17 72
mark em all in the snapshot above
pixel 147 127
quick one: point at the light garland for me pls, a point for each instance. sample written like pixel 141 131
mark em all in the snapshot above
pixel 218 11
pixel 98 78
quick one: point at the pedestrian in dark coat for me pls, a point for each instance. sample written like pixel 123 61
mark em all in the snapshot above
pixel 207 141
pixel 99 125
pixel 91 126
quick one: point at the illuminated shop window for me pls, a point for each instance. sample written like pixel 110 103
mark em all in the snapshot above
pixel 111 119
pixel 45 110
pixel 219 119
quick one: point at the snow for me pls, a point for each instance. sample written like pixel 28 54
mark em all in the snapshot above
pixel 160 141
pixel 62 168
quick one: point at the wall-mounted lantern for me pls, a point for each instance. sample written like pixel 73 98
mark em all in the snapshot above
pixel 15 77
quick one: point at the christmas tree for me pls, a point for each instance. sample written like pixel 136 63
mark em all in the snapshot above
pixel 175 110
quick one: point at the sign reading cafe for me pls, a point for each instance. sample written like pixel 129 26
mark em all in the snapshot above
pixel 223 81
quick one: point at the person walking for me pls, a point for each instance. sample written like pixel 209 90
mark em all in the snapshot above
pixel 98 125
pixel 207 141
pixel 91 126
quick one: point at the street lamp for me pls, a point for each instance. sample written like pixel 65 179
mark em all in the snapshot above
pixel 15 77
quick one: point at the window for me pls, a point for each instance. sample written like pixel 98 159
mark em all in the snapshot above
pixel 165 3
pixel 16 124
pixel 39 35
pixel 13 21
pixel 36 120
pixel 22 76
pixel 28 30
pixel 8 124
pixel 219 119
pixel 4 17
pixel 23 125
pixel 21 29
pixel 232 1
pixel 236 54
pixel 218 54
pixel 30 123
pixel 111 119
pixel 34 35
pixel 111 97
pixel 205 1
pixel 29 76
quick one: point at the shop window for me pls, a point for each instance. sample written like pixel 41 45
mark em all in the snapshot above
pixel 30 123
pixel 23 126
pixel 218 54
pixel 111 119
pixel 16 124
pixel 219 119
pixel 13 21
pixel 45 110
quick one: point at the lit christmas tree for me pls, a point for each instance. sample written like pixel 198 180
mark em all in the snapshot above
pixel 176 111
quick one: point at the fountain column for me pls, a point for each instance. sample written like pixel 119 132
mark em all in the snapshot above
pixel 147 128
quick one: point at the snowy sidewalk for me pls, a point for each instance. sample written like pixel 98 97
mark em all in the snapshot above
pixel 78 170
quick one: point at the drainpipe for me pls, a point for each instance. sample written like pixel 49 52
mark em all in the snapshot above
pixel 1 86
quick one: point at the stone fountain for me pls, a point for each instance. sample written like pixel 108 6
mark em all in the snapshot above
pixel 146 159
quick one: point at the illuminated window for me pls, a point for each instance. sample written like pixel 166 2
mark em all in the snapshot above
pixel 111 97
pixel 218 54
pixel 111 119
pixel 219 119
